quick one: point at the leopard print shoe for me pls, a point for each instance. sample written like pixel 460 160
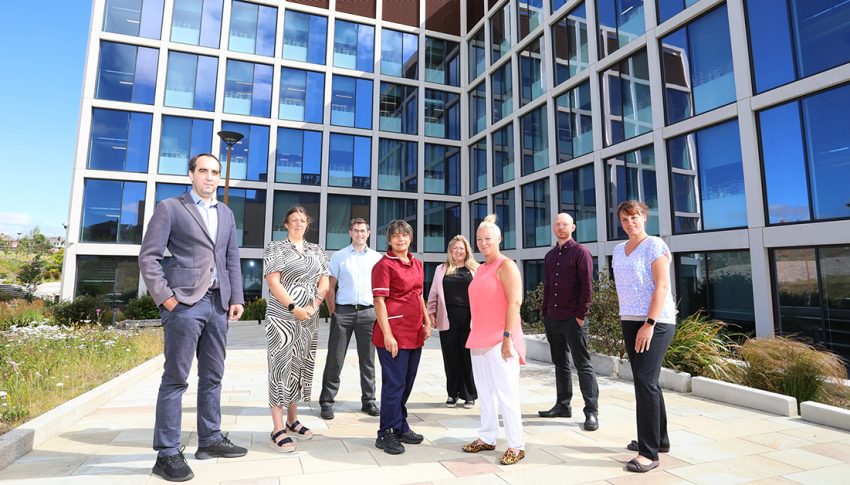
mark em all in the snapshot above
pixel 477 446
pixel 512 456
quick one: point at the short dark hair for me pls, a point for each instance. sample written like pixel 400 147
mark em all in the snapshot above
pixel 632 207
pixel 398 226
pixel 358 220
pixel 193 162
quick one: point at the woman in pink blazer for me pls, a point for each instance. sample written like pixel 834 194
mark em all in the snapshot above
pixel 448 306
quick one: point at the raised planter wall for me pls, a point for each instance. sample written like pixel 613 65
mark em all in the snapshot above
pixel 669 379
pixel 727 392
pixel 815 412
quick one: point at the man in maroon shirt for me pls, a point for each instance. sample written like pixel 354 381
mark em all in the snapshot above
pixel 566 300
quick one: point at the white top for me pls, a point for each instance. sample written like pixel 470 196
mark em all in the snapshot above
pixel 353 270
pixel 634 282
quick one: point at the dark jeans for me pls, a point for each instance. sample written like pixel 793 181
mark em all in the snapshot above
pixel 397 376
pixel 456 358
pixel 567 337
pixel 345 321
pixel 200 329
pixel 649 400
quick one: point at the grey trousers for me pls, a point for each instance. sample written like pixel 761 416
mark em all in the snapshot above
pixel 345 321
pixel 200 329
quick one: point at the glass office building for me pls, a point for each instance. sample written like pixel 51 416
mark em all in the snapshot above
pixel 727 118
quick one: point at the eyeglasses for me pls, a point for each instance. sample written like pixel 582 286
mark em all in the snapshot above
pixel 359 231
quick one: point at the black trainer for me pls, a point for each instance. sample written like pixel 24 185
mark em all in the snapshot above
pixel 411 438
pixel 221 449
pixel 173 468
pixel 327 411
pixel 389 443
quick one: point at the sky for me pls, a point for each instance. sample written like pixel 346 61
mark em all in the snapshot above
pixel 43 47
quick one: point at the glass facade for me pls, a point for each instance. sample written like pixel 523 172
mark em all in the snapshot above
pixel 529 16
pixel 252 28
pixel 249 212
pixel 442 223
pixel 620 22
pixel 341 209
pixel 302 95
pixel 190 81
pixel 668 8
pixel 478 166
pixel 351 102
pixel 719 284
pixel 477 109
pixel 569 39
pixel 252 278
pixel 399 54
pixel 536 227
pixel 477 213
pixel 442 114
pixel 577 197
pixel 477 54
pixel 196 22
pixel 631 176
pixel 126 73
pixel 399 108
pixel 285 200
pixel 535 141
pixel 533 273
pixel 120 140
pixel 442 169
pixel 350 162
pixel 503 155
pixel 398 167
pixel 574 122
pixel 249 158
pixel 141 18
pixel 531 72
pixel 299 157
pixel 442 61
pixel 388 210
pixel 626 105
pixel 180 140
pixel 500 33
pixel 354 46
pixel 113 211
pixel 501 84
pixel 304 37
pixel 504 206
pixel 113 278
pixel 248 89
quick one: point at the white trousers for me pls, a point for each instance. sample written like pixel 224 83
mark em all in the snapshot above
pixel 497 381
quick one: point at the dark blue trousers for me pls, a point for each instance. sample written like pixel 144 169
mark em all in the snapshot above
pixel 397 376
pixel 198 330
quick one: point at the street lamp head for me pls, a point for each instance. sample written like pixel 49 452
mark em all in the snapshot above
pixel 230 137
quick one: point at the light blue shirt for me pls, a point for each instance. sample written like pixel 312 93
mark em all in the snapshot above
pixel 634 281
pixel 353 270
pixel 209 214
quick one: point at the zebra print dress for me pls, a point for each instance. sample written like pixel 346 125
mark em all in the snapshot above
pixel 292 343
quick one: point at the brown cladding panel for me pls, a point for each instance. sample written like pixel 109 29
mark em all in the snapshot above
pixel 404 12
pixel 312 3
pixel 493 2
pixel 474 12
pixel 363 8
pixel 443 16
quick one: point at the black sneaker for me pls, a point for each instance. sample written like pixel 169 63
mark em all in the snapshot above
pixel 173 468
pixel 327 411
pixel 222 449
pixel 411 438
pixel 451 402
pixel 389 443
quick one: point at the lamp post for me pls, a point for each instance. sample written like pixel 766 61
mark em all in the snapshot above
pixel 230 138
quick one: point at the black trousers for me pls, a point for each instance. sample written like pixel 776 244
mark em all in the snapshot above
pixel 567 337
pixel 649 400
pixel 456 358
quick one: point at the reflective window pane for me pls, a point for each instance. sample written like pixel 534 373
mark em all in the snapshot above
pixel 113 211
pixel 341 209
pixel 114 278
pixel 285 200
pixel 503 155
pixel 500 33
pixel 252 28
pixel 442 61
pixel 299 158
pixel 351 102
pixel 126 73
pixel 180 140
pixel 304 37
pixel 575 126
pixel 627 109
pixel 142 18
pixel 530 13
pixel 252 278
pixel 477 109
pixel 501 84
pixel 783 157
pixel 533 273
pixel 531 76
pixel 196 22
pixel 398 108
pixel 301 95
pixel 478 166
pixel 718 284
pixel 477 54
pixel 442 169
pixel 577 197
pixel 399 54
pixel 504 206
pixel 249 157
pixel 354 46
pixel 536 226
pixel 398 167
pixel 248 89
pixel 441 224
pixel 249 212
pixel 631 176
pixel 535 141
pixel 442 114
pixel 569 37
pixel 388 210
pixel 190 81
pixel 668 8
pixel 349 161
pixel 477 213
pixel 120 140
pixel 620 22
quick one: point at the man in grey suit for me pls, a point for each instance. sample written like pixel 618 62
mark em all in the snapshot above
pixel 198 291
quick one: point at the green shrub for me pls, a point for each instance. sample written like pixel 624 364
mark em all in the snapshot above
pixel 141 308
pixel 255 310
pixel 81 310
pixel 701 348
pixel 21 313
pixel 606 335
pixel 531 311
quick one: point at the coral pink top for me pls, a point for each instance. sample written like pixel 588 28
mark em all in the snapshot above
pixel 489 307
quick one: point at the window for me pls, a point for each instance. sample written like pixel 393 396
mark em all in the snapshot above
pixel 631 176
pixel 812 295
pixel 190 81
pixel 166 191
pixel 627 109
pixel 503 155
pixel 120 140
pixel 398 167
pixel 504 207
pixel 113 211
pixel 530 13
pixel 575 126
pixel 399 54
pixel 398 108
pixel 477 213
pixel 252 28
pixel 115 278
pixel 442 114
pixel 351 102
pixel 126 73
pixel 249 157
pixel 181 139
pixel 442 61
pixel 805 147
pixel 304 37
pixel 620 22
pixel 302 95
pixel 668 8
pixel 697 67
pixel 707 178
pixel 299 158
pixel 478 166
pixel 442 169
pixel 252 278
pixel 500 33
pixel 389 209
pixel 142 18
pixel 350 161
pixel 429 269
pixel 537 229
pixel 341 209
pixel 196 22
pixel 501 83
pixel 531 71
pixel 577 197
pixel 477 109
pixel 556 4
pixel 569 37
pixel 285 200
pixel 720 284
pixel 533 274
pixel 793 39
pixel 477 54
pixel 442 223
pixel 354 46
pixel 248 89
pixel 535 144
pixel 249 212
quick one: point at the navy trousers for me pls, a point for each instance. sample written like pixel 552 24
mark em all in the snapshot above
pixel 397 376
pixel 200 329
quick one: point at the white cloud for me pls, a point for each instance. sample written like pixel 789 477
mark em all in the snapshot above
pixel 15 219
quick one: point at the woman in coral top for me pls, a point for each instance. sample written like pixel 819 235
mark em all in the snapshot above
pixel 495 341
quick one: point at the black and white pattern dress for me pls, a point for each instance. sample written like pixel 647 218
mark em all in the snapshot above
pixel 291 342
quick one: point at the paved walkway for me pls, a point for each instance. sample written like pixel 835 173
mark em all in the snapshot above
pixel 712 443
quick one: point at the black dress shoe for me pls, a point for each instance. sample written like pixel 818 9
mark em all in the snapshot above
pixel 327 411
pixel 557 411
pixel 591 423
pixel 370 409
pixel 221 449
pixel 173 468
pixel 411 438
pixel 390 443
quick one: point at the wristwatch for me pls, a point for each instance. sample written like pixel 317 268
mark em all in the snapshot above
pixel 506 334
pixel 291 306
pixel 650 321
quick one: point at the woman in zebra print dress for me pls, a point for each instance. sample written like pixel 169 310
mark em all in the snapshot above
pixel 297 275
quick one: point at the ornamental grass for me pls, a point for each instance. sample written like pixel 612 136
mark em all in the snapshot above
pixel 702 347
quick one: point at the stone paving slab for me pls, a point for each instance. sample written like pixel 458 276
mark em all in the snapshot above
pixel 712 443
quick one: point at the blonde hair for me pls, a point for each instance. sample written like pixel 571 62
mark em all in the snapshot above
pixel 469 261
pixel 489 222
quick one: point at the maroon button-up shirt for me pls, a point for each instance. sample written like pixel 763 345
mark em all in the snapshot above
pixel 400 284
pixel 568 281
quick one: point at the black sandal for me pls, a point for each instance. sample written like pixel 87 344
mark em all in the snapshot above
pixel 635 466
pixel 285 441
pixel 302 431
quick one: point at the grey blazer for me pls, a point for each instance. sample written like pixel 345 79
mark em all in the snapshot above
pixel 177 225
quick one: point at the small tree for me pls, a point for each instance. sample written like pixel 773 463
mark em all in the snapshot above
pixel 606 336
pixel 531 311
pixel 35 243
pixel 30 274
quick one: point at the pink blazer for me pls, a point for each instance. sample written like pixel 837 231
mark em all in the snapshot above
pixel 437 300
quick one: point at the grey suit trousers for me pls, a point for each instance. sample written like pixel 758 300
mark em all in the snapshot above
pixel 345 321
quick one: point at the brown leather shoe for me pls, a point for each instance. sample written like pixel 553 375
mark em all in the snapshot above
pixel 477 446
pixel 510 457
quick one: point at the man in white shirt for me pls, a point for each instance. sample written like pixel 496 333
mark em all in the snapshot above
pixel 352 311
